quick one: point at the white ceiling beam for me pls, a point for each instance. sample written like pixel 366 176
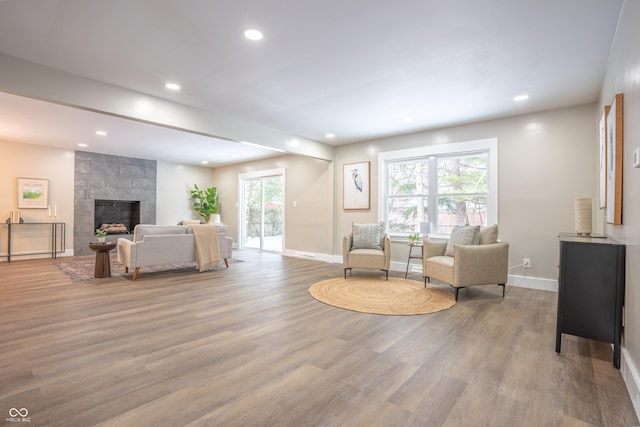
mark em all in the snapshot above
pixel 36 81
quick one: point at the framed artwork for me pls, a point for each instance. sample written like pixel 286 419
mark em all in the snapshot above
pixel 33 193
pixel 356 185
pixel 603 156
pixel 614 161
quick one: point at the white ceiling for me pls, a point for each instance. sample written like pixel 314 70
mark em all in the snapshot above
pixel 353 68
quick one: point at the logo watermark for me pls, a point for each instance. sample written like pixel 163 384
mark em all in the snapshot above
pixel 18 416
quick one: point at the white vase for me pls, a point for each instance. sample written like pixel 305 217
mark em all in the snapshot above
pixel 214 219
pixel 102 239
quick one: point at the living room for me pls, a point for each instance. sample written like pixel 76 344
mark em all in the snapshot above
pixel 546 159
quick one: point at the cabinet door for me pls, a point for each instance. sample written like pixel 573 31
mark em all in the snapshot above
pixel 589 281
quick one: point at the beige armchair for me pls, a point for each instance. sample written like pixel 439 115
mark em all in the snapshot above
pixel 373 251
pixel 484 262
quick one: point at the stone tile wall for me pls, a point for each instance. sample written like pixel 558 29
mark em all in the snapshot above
pixel 102 176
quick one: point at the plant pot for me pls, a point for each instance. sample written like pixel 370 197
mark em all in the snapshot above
pixel 214 219
pixel 102 239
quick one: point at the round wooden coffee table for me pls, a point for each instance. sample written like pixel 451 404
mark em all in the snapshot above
pixel 103 263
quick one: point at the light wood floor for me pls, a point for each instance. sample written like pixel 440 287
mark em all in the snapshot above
pixel 248 346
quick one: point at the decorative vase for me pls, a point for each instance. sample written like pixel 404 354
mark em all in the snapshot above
pixel 583 215
pixel 214 219
pixel 102 239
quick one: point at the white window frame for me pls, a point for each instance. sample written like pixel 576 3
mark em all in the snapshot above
pixel 489 145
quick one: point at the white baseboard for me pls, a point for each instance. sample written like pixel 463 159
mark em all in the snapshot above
pixel 631 379
pixel 314 256
pixel 533 283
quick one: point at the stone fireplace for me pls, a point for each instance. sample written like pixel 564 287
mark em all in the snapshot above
pixel 113 186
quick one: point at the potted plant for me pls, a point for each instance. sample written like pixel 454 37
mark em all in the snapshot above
pixel 414 239
pixel 101 235
pixel 205 202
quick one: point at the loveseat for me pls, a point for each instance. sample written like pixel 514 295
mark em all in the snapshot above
pixel 165 244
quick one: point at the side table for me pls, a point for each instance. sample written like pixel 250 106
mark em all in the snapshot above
pixel 103 263
pixel 411 256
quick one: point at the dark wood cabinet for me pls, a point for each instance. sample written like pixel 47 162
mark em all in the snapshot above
pixel 591 290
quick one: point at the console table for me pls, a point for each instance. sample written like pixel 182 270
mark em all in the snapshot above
pixel 591 290
pixel 56 230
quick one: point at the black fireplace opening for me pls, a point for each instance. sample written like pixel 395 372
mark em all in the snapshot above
pixel 117 216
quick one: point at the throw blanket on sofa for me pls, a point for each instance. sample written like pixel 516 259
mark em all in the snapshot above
pixel 207 246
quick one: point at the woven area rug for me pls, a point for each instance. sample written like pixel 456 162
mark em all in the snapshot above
pixel 378 296
pixel 82 270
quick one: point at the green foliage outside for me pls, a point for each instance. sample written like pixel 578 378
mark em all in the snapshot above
pixel 462 186
pixel 273 199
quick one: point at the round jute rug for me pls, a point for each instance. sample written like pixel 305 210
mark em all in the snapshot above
pixel 378 296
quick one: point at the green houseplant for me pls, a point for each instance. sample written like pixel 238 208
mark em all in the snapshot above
pixel 205 202
pixel 101 234
pixel 414 239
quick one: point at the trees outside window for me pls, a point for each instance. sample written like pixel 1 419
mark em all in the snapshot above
pixel 447 187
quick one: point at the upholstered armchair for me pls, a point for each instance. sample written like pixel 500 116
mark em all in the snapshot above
pixel 472 256
pixel 368 247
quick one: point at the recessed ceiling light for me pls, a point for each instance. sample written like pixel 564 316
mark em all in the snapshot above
pixel 204 162
pixel 407 119
pixel 522 97
pixel 253 35
pixel 82 145
pixel 330 135
pixel 172 86
pixel 101 133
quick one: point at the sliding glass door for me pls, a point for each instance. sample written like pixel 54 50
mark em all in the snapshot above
pixel 262 211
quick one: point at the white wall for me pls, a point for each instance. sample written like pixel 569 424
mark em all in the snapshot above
pixel 623 76
pixel 546 160
pixel 33 161
pixel 173 198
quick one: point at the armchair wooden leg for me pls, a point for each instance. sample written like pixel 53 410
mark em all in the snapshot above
pixel 457 289
pixel 126 269
pixel 503 288
pixel 345 272
pixel 135 273
pixel 226 262
pixel 387 273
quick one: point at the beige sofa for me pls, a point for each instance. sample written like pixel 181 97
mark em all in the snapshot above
pixel 484 262
pixel 165 244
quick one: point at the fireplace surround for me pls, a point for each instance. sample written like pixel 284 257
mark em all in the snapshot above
pixel 114 179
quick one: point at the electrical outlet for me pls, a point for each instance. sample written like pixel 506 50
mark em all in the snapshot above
pixel 526 262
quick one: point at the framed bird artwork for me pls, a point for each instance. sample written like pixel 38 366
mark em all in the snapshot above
pixel 356 185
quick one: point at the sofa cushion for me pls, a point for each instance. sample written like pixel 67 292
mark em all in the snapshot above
pixel 489 235
pixel 368 236
pixel 463 235
pixel 142 230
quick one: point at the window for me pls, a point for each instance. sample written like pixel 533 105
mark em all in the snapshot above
pixel 449 185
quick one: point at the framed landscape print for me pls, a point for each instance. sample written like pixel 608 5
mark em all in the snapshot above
pixel 356 185
pixel 614 161
pixel 33 193
pixel 603 156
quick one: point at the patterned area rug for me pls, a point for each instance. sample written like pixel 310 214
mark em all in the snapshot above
pixel 378 296
pixel 82 270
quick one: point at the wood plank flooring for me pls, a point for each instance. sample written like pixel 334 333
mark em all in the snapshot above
pixel 248 346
